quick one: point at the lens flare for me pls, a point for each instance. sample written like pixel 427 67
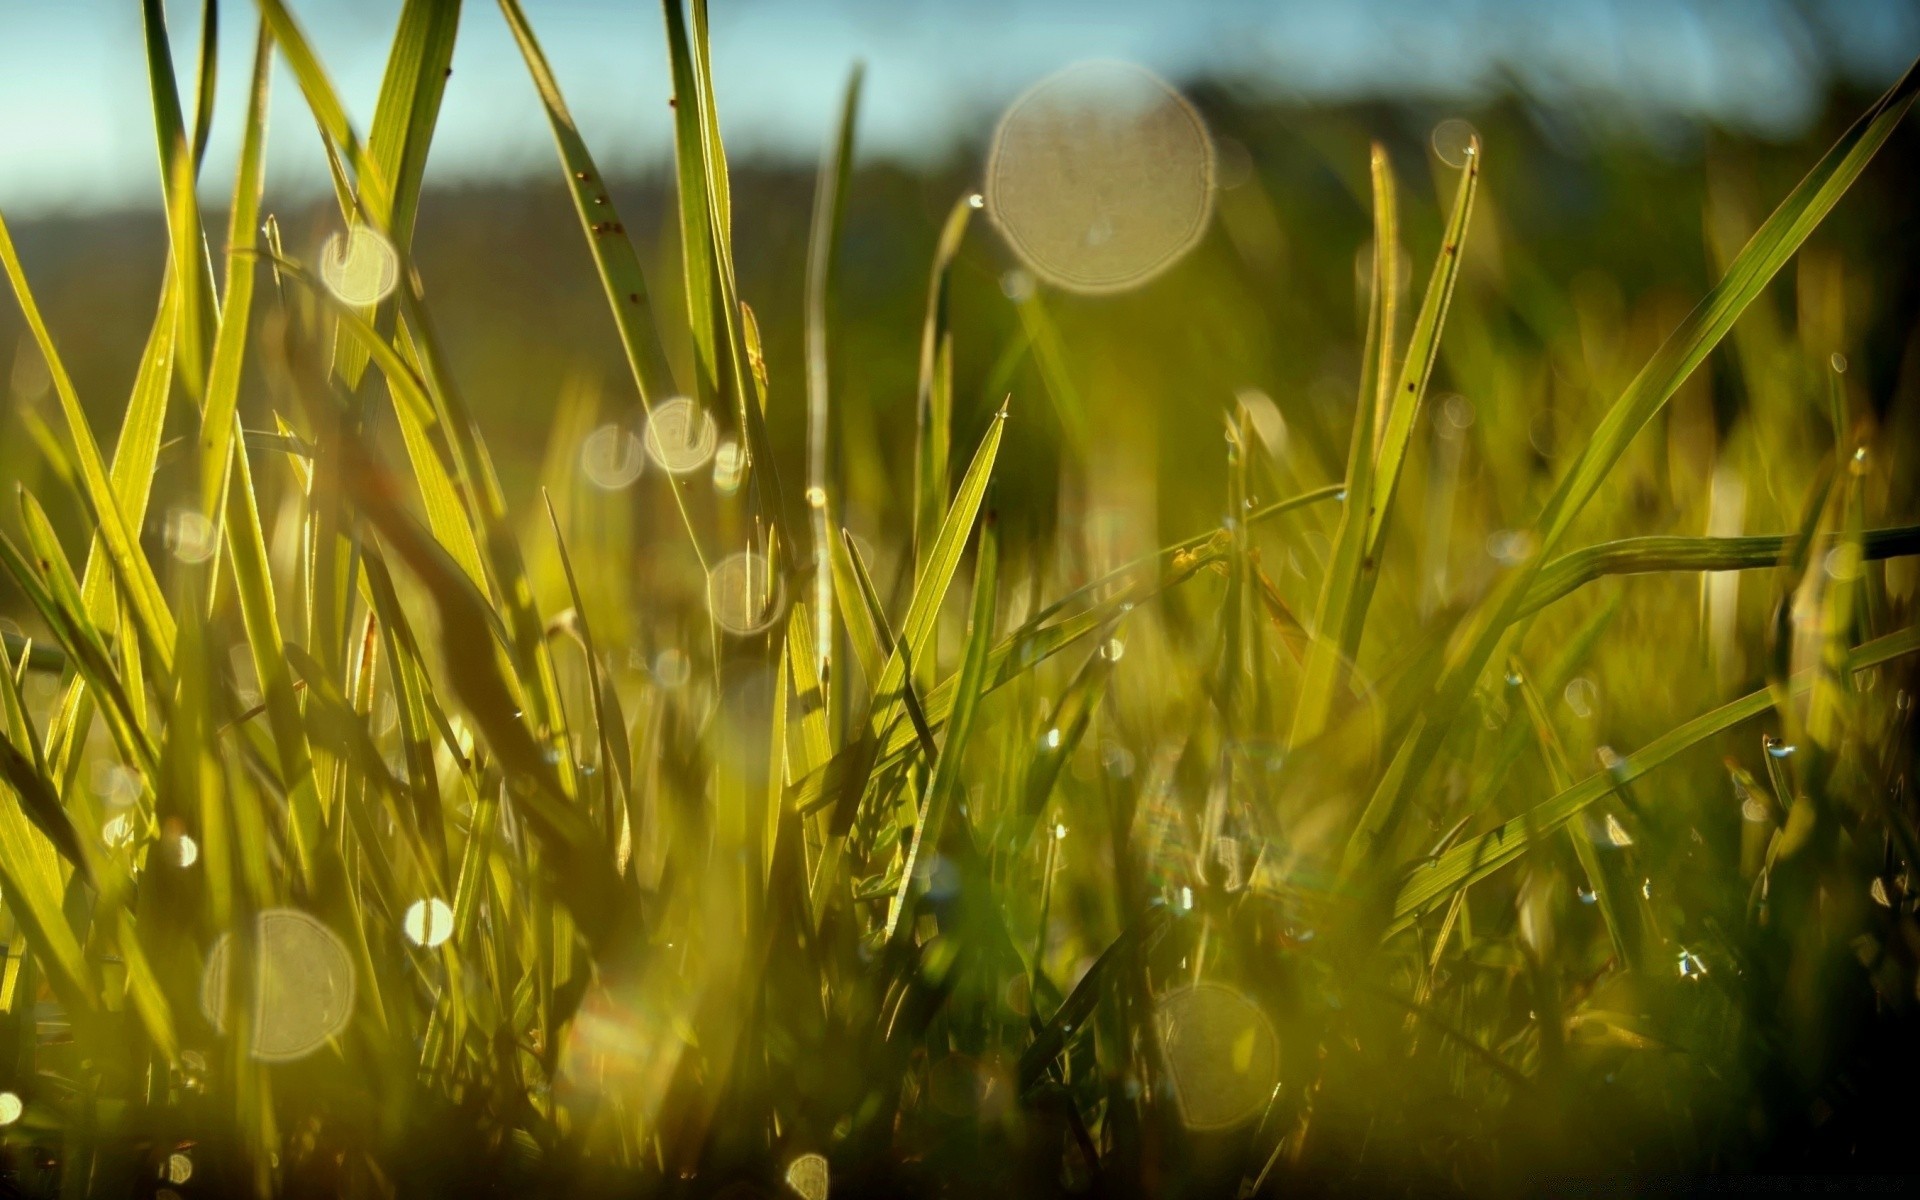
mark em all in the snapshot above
pixel 743 593
pixel 304 985
pixel 359 266
pixel 428 923
pixel 1101 176
pixel 611 457
pixel 809 1177
pixel 1223 1053
pixel 681 436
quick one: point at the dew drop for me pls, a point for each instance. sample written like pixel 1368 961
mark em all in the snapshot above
pixel 1455 141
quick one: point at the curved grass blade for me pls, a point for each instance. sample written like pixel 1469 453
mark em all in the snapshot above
pixel 934 403
pixel 823 243
pixel 1423 349
pixel 1645 555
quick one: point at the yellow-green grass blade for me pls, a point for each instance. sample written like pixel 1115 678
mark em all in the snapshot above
pixel 31 880
pixel 1340 608
pixel 192 273
pixel 1479 857
pixel 823 243
pixel 696 223
pixel 1645 555
pixel 1769 249
pixel 607 241
pixel 690 53
pixel 943 558
pixel 969 686
pixel 862 632
pixel 85 651
pixel 934 404
pixel 206 72
pixel 236 304
pixel 375 190
pixel 259 611
pixel 1423 349
pixel 131 569
pixel 408 108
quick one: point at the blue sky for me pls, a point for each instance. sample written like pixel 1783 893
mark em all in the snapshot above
pixel 74 123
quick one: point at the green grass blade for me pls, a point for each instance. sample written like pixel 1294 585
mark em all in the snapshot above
pixel 916 632
pixel 192 273
pixel 131 568
pixel 1645 555
pixel 934 404
pixel 1341 607
pixel 969 686
pixel 236 305
pixel 1423 349
pixel 607 240
pixel 823 243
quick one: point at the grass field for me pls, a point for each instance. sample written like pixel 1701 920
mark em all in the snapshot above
pixel 865 720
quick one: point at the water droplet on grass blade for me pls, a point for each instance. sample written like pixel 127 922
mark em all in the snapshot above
pixel 1455 141
pixel 179 1167
pixel 1100 177
pixel 359 266
pixel 303 985
pixel 681 436
pixel 1780 749
pixel 10 1108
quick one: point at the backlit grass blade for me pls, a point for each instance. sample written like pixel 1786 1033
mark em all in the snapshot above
pixel 1341 608
pixel 969 685
pixel 236 305
pixel 1479 857
pixel 259 610
pixel 943 557
pixel 934 404
pixel 1423 348
pixel 823 243
pixel 205 74
pixel 192 273
pixel 1769 249
pixel 1644 555
pixel 131 568
pixel 607 240
pixel 375 190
